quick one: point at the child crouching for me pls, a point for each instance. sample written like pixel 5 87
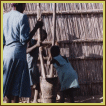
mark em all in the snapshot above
pixel 67 75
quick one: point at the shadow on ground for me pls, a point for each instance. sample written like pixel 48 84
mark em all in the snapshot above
pixel 86 99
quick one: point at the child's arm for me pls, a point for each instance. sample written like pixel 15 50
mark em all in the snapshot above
pixel 44 52
pixel 29 49
pixel 54 61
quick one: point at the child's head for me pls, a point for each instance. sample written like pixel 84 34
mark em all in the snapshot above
pixel 55 51
pixel 44 35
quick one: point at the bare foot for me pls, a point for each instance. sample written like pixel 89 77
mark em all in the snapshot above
pixel 35 101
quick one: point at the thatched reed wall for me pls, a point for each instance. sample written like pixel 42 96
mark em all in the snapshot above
pixel 79 31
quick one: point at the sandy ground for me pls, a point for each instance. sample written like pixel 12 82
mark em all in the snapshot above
pixel 89 99
pixel 80 99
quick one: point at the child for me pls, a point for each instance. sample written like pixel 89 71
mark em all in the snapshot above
pixel 67 75
pixel 32 57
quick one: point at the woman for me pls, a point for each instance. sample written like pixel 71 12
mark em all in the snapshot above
pixel 15 37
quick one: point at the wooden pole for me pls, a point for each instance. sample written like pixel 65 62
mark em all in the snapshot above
pixel 38 18
pixel 39 40
pixel 54 33
pixel 69 12
pixel 54 23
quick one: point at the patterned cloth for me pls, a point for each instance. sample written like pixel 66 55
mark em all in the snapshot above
pixel 15 69
pixel 67 75
pixel 32 59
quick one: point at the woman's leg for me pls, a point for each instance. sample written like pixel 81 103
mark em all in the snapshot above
pixel 5 99
pixel 30 98
pixel 12 99
pixel 15 99
pixel 8 100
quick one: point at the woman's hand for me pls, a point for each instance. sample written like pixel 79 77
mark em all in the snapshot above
pixel 39 24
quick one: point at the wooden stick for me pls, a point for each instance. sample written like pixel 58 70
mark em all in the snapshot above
pixel 95 11
pixel 91 82
pixel 54 33
pixel 39 40
pixel 54 23
pixel 75 41
pixel 80 58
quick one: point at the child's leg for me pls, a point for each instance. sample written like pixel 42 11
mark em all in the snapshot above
pixel 37 89
pixel 62 99
pixel 72 98
pixel 71 95
pixel 32 92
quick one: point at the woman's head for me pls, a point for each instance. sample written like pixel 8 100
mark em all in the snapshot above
pixel 55 51
pixel 44 35
pixel 19 6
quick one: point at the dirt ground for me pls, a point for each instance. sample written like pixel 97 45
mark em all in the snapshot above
pixel 85 99
pixel 80 99
pixel 89 99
